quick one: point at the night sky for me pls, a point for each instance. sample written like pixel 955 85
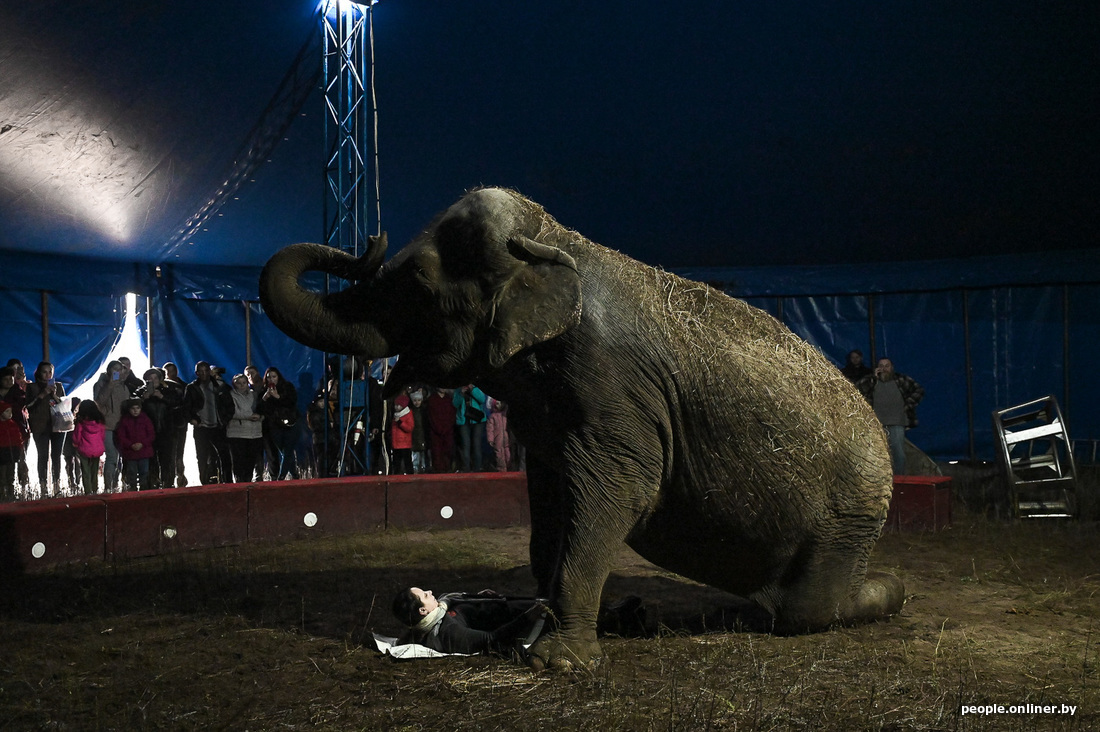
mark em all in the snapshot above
pixel 687 134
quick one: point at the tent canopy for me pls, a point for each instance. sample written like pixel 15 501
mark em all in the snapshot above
pixel 700 134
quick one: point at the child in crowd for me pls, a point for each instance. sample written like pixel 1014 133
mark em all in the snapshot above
pixel 134 437
pixel 11 450
pixel 420 431
pixel 496 431
pixel 70 455
pixel 401 431
pixel 89 431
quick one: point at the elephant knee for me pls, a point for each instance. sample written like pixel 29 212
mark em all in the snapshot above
pixel 880 596
pixel 883 594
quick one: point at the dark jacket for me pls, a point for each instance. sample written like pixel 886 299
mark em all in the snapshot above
pixel 162 405
pixel 177 418
pixel 282 412
pixel 39 414
pixel 911 392
pixel 854 373
pixel 194 400
pixel 474 624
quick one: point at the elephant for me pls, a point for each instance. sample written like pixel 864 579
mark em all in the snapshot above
pixel 656 411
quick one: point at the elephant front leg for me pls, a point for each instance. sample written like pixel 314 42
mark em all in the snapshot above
pixel 591 539
pixel 545 497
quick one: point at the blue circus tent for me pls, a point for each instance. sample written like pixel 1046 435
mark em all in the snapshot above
pixel 913 182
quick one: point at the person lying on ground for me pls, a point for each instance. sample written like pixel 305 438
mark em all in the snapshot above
pixel 466 623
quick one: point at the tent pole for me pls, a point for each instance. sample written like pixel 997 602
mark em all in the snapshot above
pixel 45 326
pixel 1065 349
pixel 871 327
pixel 247 333
pixel 149 331
pixel 969 376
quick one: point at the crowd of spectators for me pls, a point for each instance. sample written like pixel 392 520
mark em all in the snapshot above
pixel 132 434
pixel 424 429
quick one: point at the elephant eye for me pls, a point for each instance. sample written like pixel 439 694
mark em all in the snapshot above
pixel 421 276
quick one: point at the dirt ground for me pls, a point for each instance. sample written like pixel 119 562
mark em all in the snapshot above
pixel 266 637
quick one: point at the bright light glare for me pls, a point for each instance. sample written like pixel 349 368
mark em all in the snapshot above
pixel 128 344
pixel 343 7
pixel 72 159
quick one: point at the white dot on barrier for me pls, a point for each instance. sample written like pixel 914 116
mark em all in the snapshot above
pixel 169 532
pixel 446 512
pixel 310 519
pixel 38 550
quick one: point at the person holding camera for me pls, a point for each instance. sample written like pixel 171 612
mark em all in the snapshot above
pixel 162 404
pixel 894 397
pixel 208 416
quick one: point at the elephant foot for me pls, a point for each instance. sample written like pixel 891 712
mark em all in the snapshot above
pixel 554 653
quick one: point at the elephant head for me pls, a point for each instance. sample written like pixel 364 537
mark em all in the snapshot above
pixel 462 298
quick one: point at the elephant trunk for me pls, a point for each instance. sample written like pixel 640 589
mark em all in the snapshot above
pixel 311 318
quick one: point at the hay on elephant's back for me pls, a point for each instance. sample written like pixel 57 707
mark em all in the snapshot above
pixel 801 422
pixel 814 423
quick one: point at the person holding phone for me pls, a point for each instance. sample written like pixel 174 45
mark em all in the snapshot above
pixel 894 397
pixel 42 395
pixel 279 406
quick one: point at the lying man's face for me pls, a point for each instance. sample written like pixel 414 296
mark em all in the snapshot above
pixel 427 600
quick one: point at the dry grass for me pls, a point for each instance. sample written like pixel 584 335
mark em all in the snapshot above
pixel 268 637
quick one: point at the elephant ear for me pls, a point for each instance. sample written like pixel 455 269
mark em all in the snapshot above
pixel 541 300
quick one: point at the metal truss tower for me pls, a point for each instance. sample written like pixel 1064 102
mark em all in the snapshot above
pixel 349 124
pixel 348 117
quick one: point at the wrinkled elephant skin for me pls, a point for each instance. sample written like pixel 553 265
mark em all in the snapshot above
pixel 655 411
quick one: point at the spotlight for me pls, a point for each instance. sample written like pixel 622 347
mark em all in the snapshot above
pixel 333 7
